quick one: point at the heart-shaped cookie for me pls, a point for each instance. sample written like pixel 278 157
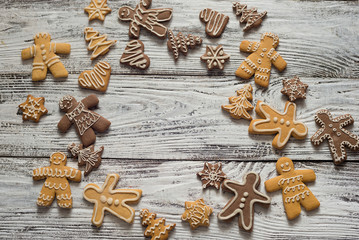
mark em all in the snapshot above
pixel 96 79
pixel 133 55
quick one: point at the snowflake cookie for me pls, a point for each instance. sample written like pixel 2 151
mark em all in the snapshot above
pixel 215 57
pixel 33 108
pixel 97 9
pixel 197 213
pixel 294 88
pixel 212 175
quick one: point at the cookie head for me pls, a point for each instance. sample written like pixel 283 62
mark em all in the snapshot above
pixel 42 38
pixel 270 38
pixel 58 158
pixel 284 165
pixel 125 13
pixel 66 103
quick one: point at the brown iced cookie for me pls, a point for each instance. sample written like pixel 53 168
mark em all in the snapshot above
pixel 181 43
pixel 215 22
pixel 215 57
pixel 338 137
pixel 33 108
pixel 249 16
pixel 97 78
pixel 86 121
pixel 133 55
pixel 142 16
pixel 294 88
pixel 212 175
pixel 86 156
pixel 246 195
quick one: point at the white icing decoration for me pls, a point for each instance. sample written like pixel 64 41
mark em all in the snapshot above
pixel 135 55
pixel 297 197
pixel 96 77
pixel 56 186
pixel 214 18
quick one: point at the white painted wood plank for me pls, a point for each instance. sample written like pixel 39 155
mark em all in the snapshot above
pixel 171 118
pixel 166 186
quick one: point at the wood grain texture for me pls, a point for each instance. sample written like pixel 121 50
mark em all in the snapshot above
pixel 166 186
pixel 167 120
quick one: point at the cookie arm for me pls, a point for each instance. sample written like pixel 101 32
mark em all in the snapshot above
pixel 308 175
pixel 40 173
pixel 145 3
pixel 28 53
pixel 64 124
pixel 73 174
pixel 272 185
pixel 62 48
pixel 278 61
pixel 248 46
pixel 90 101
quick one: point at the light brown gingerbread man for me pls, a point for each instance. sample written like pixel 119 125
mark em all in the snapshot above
pixel 86 120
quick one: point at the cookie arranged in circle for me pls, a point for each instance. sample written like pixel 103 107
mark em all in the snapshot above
pixel 215 22
pixel 197 213
pixel 97 78
pixel 134 55
pixel 212 175
pixel 33 108
pixel 215 57
pixel 98 9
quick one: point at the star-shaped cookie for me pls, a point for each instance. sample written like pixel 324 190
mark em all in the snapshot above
pixel 97 9
pixel 294 88
pixel 197 213
pixel 215 57
pixel 212 175
pixel 33 108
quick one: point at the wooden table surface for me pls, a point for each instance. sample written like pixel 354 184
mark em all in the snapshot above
pixel 167 121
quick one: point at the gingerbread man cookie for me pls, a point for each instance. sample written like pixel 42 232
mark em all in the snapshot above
pixel 283 124
pixel 147 18
pixel 86 121
pixel 239 105
pixel 197 213
pixel 44 54
pixel 106 198
pixel 134 56
pixel 260 61
pixel 294 88
pixel 245 196
pixel 180 44
pixel 215 22
pixel 56 183
pixel 156 228
pixel 89 157
pixel 98 43
pixel 97 9
pixel 212 175
pixel 33 108
pixel 96 79
pixel 295 192
pixel 338 137
pixel 215 57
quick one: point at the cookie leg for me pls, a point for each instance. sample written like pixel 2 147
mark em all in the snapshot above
pixel 246 69
pixel 88 137
pixel 101 125
pixel 46 196
pixel 64 197
pixel 310 202
pixel 292 209
pixel 261 76
pixel 58 70
pixel 39 72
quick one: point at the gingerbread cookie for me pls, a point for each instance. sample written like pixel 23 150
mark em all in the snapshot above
pixel 283 124
pixel 249 16
pixel 156 228
pixel 239 105
pixel 149 19
pixel 98 43
pixel 212 175
pixel 215 57
pixel 96 79
pixel 44 54
pixel 215 22
pixel 33 108
pixel 97 9
pixel 197 213
pixel 260 61
pixel 338 137
pixel 294 88
pixel 89 157
pixel 295 192
pixel 180 43
pixel 133 55
pixel 245 196
pixel 86 120
pixel 107 198
pixel 56 183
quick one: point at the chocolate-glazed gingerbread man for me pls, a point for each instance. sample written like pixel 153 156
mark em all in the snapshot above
pixel 150 19
pixel 86 121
